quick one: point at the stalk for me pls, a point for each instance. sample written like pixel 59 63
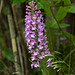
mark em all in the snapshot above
pixel 13 35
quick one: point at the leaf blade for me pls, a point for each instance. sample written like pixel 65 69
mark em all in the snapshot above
pixel 17 1
pixel 72 9
pixel 62 12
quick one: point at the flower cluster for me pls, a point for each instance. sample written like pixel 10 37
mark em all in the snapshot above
pixel 35 34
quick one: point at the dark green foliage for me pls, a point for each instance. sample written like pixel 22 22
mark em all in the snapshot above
pixel 8 54
pixel 44 5
pixel 22 20
pixel 4 10
pixel 2 66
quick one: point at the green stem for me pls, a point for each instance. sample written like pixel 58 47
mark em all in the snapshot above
pixel 43 72
pixel 44 68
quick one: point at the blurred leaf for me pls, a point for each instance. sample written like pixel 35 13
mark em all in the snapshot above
pixel 18 73
pixel 7 31
pixel 56 0
pixel 60 25
pixel 44 5
pixel 1 42
pixel 39 6
pixel 28 1
pixel 7 53
pixel 57 65
pixel 11 1
pixel 68 35
pixel 53 24
pixel 51 55
pixel 4 10
pixel 72 9
pixel 22 20
pixel 17 1
pixel 57 52
pixel 2 66
pixel 66 2
pixel 58 62
pixel 62 12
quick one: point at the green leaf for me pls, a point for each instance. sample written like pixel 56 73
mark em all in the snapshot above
pixel 2 66
pixel 72 9
pixel 53 24
pixel 1 42
pixel 62 12
pixel 57 52
pixel 58 62
pixel 70 36
pixel 56 0
pixel 50 24
pixel 66 2
pixel 39 6
pixel 17 1
pixel 22 20
pixel 28 1
pixel 44 5
pixel 62 25
pixel 11 1
pixel 8 53
pixel 4 10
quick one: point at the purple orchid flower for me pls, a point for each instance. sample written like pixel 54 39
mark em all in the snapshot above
pixel 34 34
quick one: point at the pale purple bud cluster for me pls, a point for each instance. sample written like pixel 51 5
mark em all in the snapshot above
pixel 35 34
